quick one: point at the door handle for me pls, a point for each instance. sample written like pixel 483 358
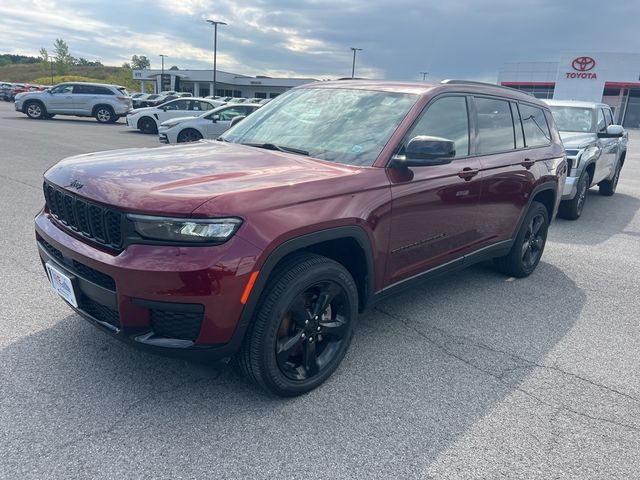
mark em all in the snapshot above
pixel 468 173
pixel 528 163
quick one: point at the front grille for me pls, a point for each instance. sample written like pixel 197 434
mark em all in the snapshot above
pixel 181 325
pixel 99 224
pixel 99 311
pixel 94 276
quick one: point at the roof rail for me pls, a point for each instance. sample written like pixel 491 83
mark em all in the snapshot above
pixel 486 84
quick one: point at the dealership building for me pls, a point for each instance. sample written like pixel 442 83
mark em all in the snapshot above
pixel 611 78
pixel 200 83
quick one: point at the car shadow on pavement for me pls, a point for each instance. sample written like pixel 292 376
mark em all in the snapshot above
pixel 66 119
pixel 424 367
pixel 602 218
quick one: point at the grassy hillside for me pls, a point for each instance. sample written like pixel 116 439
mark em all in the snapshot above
pixel 37 74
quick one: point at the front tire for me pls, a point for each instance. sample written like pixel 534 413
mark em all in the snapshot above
pixel 608 187
pixel 35 110
pixel 303 326
pixel 105 115
pixel 147 125
pixel 189 135
pixel 572 209
pixel 525 254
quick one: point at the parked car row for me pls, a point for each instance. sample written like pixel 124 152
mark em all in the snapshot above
pixel 8 91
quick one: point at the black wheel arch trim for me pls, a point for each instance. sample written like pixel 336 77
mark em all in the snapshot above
pixel 550 185
pixel 293 245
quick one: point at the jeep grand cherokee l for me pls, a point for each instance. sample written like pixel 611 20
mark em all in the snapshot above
pixel 265 246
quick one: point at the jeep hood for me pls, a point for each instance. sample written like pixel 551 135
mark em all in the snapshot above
pixel 577 140
pixel 175 180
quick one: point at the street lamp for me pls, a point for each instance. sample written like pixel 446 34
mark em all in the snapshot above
pixel 215 50
pixel 162 76
pixel 424 75
pixel 353 66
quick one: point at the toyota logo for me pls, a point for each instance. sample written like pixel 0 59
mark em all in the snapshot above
pixel 583 64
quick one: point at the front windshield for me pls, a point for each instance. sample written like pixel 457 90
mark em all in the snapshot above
pixel 339 125
pixel 573 119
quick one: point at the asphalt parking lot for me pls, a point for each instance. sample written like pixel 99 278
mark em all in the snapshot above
pixel 471 376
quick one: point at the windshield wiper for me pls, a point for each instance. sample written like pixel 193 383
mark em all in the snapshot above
pixel 279 148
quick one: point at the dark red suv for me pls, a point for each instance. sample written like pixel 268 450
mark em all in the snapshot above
pixel 264 246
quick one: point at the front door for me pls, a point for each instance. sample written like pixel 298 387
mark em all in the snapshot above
pixel 435 217
pixel 175 109
pixel 60 99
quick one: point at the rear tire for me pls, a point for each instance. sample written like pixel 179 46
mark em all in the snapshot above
pixel 302 328
pixel 572 209
pixel 35 110
pixel 189 135
pixel 105 114
pixel 608 187
pixel 527 249
pixel 147 125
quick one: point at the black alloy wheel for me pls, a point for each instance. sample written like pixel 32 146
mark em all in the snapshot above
pixel 303 325
pixel 572 209
pixel 146 125
pixel 527 248
pixel 312 330
pixel 533 243
pixel 189 135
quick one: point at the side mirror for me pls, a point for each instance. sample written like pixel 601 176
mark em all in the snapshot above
pixel 237 119
pixel 215 118
pixel 613 131
pixel 424 151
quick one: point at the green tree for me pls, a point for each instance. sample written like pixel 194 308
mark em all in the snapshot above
pixel 63 58
pixel 44 57
pixel 126 65
pixel 174 68
pixel 140 62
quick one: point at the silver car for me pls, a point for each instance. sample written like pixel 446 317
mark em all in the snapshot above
pixel 596 149
pixel 105 102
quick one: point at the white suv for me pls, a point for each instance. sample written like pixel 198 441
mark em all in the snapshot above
pixel 148 119
pixel 103 101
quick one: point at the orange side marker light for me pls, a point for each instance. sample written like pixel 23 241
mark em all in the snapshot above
pixel 249 287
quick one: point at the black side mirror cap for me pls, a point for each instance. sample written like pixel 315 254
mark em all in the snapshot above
pixel 425 150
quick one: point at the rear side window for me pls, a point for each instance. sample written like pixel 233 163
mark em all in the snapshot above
pixel 103 91
pixel 495 126
pixel 178 105
pixel 446 118
pixel 534 124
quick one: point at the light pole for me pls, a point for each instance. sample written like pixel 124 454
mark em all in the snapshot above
pixel 51 61
pixel 162 75
pixel 424 75
pixel 215 51
pixel 353 65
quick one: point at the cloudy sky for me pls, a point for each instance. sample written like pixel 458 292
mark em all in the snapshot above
pixel 311 38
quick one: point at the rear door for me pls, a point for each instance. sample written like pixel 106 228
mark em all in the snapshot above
pixel 84 97
pixel 435 218
pixel 509 161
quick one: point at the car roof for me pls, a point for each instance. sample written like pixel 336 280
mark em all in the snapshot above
pixel 423 88
pixel 575 103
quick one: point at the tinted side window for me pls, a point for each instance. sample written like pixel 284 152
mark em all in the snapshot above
pixel 495 126
pixel 81 89
pixel 609 116
pixel 62 89
pixel 534 124
pixel 446 118
pixel 178 105
pixel 602 126
pixel 517 123
pixel 102 91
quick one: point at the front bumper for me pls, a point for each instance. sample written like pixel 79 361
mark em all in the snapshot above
pixel 177 301
pixel 570 187
pixel 162 138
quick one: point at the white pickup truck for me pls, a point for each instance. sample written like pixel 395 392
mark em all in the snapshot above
pixel 596 149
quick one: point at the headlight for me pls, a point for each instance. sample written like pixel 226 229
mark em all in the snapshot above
pixel 168 125
pixel 185 229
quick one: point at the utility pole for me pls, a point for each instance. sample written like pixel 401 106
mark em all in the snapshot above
pixel 353 65
pixel 424 76
pixel 215 24
pixel 51 62
pixel 162 75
